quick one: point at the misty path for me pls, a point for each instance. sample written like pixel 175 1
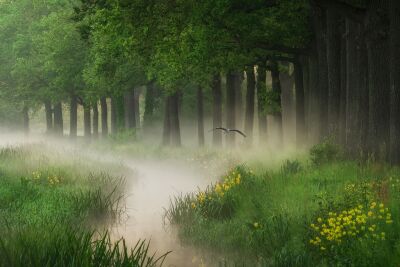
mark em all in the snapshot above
pixel 150 189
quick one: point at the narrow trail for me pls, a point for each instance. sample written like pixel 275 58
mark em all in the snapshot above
pixel 149 192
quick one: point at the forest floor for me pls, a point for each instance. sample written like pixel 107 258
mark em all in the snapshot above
pixel 64 205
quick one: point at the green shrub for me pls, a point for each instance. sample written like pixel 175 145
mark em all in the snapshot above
pixel 291 167
pixel 325 152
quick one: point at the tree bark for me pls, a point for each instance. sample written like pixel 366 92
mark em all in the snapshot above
pixel 394 81
pixel 166 141
pixel 343 83
pixel 306 85
pixel 114 124
pixel 136 104
pixel 287 82
pixel 104 117
pixel 314 133
pixel 58 119
pixel 377 28
pixel 300 117
pixel 217 110
pixel 174 118
pixel 87 131
pixel 250 94
pixel 319 19
pixel 149 104
pixel 333 59
pixel 130 110
pixel 49 116
pixel 261 102
pixel 277 89
pixel 239 100
pixel 25 114
pixel 200 116
pixel 231 78
pixel 95 122
pixel 351 87
pixel 73 122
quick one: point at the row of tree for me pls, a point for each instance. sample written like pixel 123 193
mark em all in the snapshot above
pixel 339 55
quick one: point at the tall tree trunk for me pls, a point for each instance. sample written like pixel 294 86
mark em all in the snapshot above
pixel 25 114
pixel 321 42
pixel 136 104
pixel 239 100
pixel 306 86
pixel 394 81
pixel 333 59
pixel 261 103
pixel 87 131
pixel 314 133
pixel 166 141
pixel 114 124
pixel 174 118
pixel 300 117
pixel 200 116
pixel 287 99
pixel 277 89
pixel 362 94
pixel 149 104
pixel 129 105
pixel 379 77
pixel 73 114
pixel 217 109
pixel 351 87
pixel 58 119
pixel 49 116
pixel 231 78
pixel 343 83
pixel 95 123
pixel 250 94
pixel 104 117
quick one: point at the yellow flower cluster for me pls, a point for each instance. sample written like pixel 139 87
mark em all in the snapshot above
pixel 54 179
pixel 349 224
pixel 230 181
pixel 36 176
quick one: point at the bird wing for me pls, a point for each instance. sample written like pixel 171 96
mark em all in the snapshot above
pixel 239 132
pixel 221 128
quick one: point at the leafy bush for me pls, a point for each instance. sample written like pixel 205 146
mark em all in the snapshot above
pixel 291 167
pixel 325 152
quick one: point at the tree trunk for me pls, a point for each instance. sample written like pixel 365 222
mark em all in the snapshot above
pixel 277 89
pixel 166 141
pixel 394 81
pixel 261 103
pixel 114 124
pixel 343 83
pixel 306 86
pixel 73 122
pixel 333 59
pixel 362 94
pixel 104 117
pixel 351 87
pixel 58 119
pixel 250 94
pixel 288 118
pixel 217 110
pixel 149 104
pixel 174 118
pixel 129 111
pixel 86 121
pixel 136 104
pixel 49 116
pixel 238 100
pixel 231 78
pixel 200 116
pixel 95 123
pixel 322 96
pixel 300 117
pixel 379 77
pixel 25 114
pixel 314 133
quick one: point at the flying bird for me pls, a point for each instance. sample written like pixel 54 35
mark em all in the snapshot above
pixel 226 130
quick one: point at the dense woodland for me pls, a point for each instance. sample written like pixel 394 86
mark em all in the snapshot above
pixel 330 66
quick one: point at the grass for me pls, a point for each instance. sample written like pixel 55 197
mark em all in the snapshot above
pixel 52 205
pixel 272 217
